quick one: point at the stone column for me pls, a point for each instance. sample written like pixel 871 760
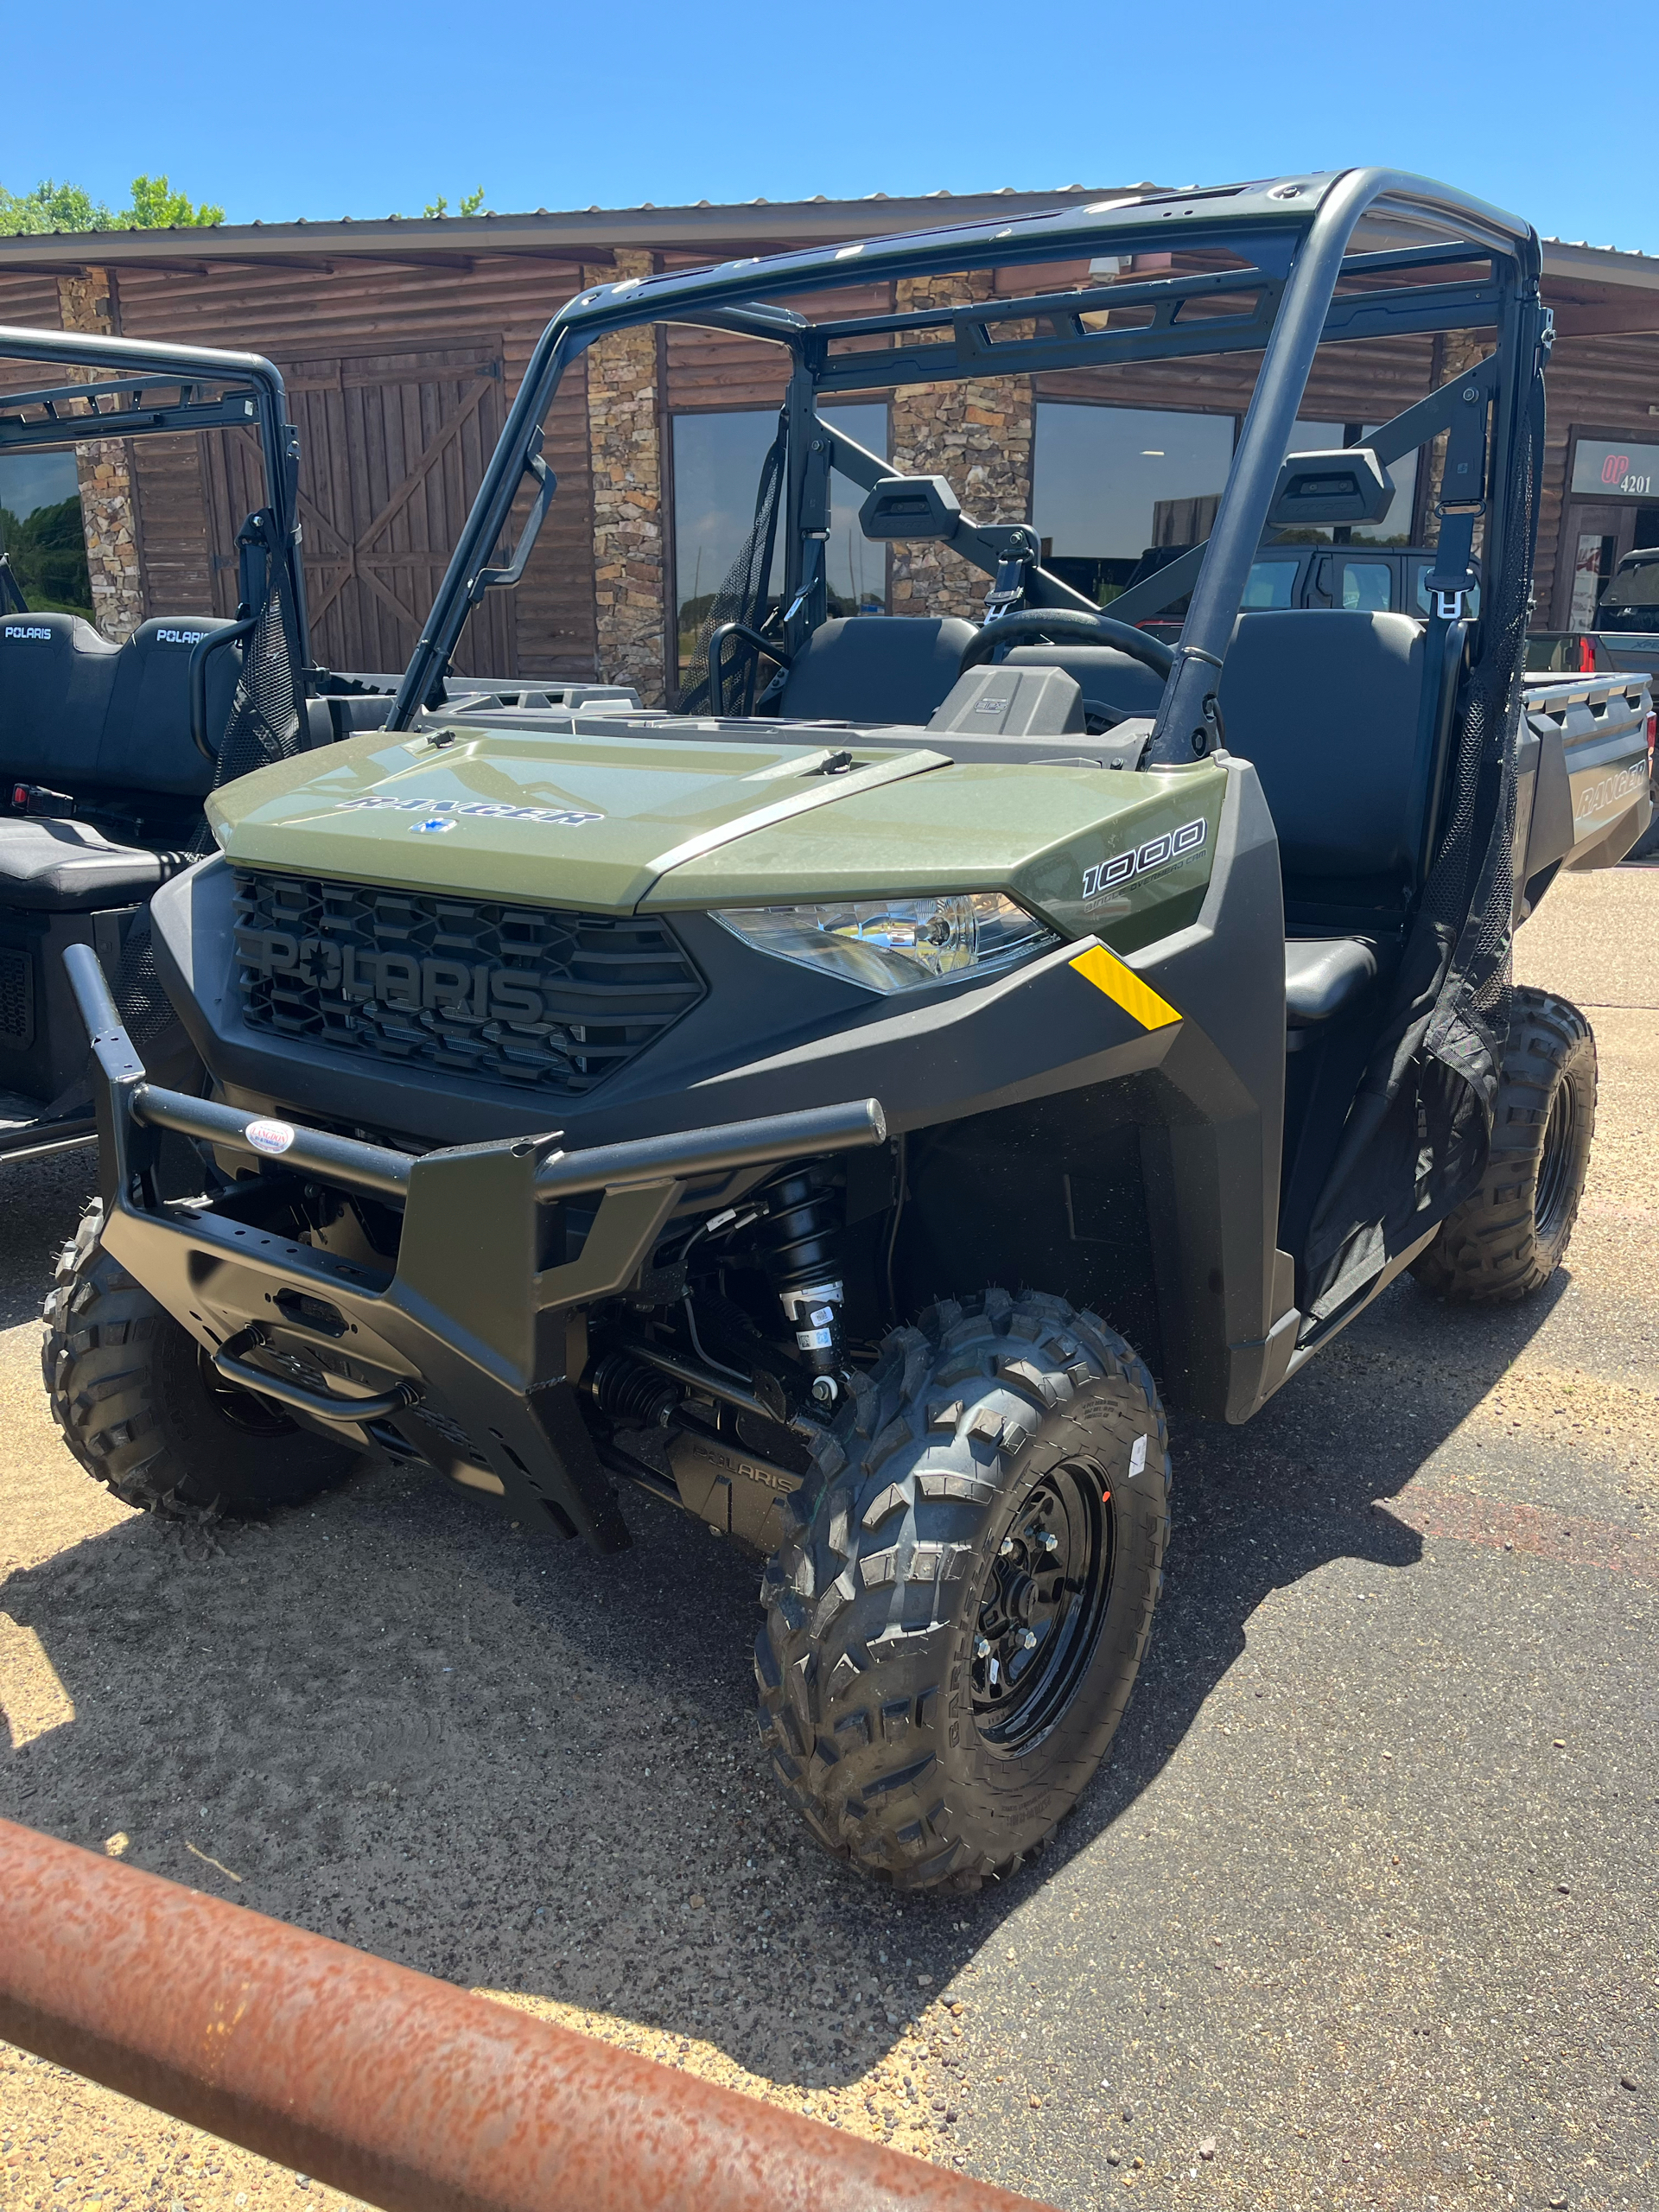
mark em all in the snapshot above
pixel 977 434
pixel 630 576
pixel 108 513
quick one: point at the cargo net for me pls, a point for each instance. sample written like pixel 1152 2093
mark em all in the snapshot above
pixel 145 1009
pixel 268 708
pixel 1416 1138
pixel 741 598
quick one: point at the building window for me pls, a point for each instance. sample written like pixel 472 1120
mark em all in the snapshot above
pixel 717 460
pixel 1113 486
pixel 41 532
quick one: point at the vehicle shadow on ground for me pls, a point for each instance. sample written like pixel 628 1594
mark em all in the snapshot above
pixel 517 1765
pixel 1307 1483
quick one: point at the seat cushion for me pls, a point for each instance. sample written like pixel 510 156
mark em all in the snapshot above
pixel 1325 975
pixel 69 867
pixel 875 668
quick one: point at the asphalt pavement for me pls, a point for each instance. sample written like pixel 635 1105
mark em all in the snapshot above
pixel 1360 1913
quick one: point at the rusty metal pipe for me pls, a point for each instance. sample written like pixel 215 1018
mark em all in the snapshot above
pixel 387 2084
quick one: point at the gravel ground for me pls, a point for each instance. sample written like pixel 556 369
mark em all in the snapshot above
pixel 1360 1914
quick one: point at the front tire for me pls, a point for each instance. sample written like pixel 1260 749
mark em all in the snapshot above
pixel 1507 1239
pixel 141 1408
pixel 952 1636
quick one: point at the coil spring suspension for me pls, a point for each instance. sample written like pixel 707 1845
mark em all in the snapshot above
pixel 800 1248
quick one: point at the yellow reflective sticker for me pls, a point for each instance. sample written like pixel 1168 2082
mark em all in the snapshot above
pixel 1124 987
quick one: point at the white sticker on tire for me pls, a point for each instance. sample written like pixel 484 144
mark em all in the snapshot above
pixel 1137 1458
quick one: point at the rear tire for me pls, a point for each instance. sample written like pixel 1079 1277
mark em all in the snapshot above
pixel 907 1723
pixel 1507 1239
pixel 141 1407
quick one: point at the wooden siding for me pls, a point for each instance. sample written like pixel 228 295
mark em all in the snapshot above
pixel 175 567
pixel 400 379
pixel 33 301
pixel 1362 383
pixel 712 369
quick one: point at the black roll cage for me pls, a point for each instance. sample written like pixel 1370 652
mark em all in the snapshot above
pixel 152 388
pixel 1293 233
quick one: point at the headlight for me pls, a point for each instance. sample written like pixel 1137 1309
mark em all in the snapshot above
pixel 896 945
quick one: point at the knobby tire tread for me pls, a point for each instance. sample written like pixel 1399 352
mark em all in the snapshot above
pixel 862 1665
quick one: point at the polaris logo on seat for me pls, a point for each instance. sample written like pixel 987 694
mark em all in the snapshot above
pixel 1157 852
pixel 18 633
pixel 179 637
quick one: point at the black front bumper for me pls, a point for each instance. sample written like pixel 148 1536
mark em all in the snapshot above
pixel 464 1343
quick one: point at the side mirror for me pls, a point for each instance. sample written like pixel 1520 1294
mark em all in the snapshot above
pixel 1351 485
pixel 910 506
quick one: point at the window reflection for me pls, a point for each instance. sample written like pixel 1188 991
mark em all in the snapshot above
pixel 41 532
pixel 1271 583
pixel 1118 489
pixel 717 460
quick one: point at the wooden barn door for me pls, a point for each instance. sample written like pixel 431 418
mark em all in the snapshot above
pixel 392 448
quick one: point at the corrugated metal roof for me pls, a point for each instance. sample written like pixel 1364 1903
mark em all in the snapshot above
pixel 596 232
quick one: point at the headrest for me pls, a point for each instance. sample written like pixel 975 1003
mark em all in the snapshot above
pixel 174 633
pixel 51 633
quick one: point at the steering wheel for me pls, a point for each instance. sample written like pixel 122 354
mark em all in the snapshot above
pixel 1064 625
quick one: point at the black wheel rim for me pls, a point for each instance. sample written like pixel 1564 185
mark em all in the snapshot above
pixel 242 1410
pixel 1555 1163
pixel 1041 1608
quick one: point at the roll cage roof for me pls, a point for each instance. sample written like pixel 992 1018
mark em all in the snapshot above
pixel 1407 250
pixel 149 389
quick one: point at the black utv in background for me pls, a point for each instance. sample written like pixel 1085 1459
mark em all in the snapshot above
pixel 108 751
pixel 848 1109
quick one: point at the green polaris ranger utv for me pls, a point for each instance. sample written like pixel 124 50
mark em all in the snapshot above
pixel 850 1106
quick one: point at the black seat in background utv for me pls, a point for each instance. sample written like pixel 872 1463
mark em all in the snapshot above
pixel 146 743
pixel 875 668
pixel 79 713
pixel 56 677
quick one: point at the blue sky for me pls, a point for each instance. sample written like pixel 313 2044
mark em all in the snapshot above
pixel 367 108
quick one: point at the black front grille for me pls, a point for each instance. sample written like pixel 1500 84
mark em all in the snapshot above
pixel 522 995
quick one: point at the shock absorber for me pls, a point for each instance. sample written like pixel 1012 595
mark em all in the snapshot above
pixel 800 1248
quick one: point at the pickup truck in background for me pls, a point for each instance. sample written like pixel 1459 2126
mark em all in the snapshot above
pixel 1372 579
pixel 1627 614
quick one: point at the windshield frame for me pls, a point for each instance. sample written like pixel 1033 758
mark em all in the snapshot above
pixel 1301 231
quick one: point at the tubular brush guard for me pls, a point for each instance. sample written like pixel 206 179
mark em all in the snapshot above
pixel 461 1342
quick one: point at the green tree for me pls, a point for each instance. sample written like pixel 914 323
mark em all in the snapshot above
pixel 51 207
pixel 471 202
pixel 48 550
pixel 156 206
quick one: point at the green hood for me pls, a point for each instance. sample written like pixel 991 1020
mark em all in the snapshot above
pixel 610 822
pixel 585 821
